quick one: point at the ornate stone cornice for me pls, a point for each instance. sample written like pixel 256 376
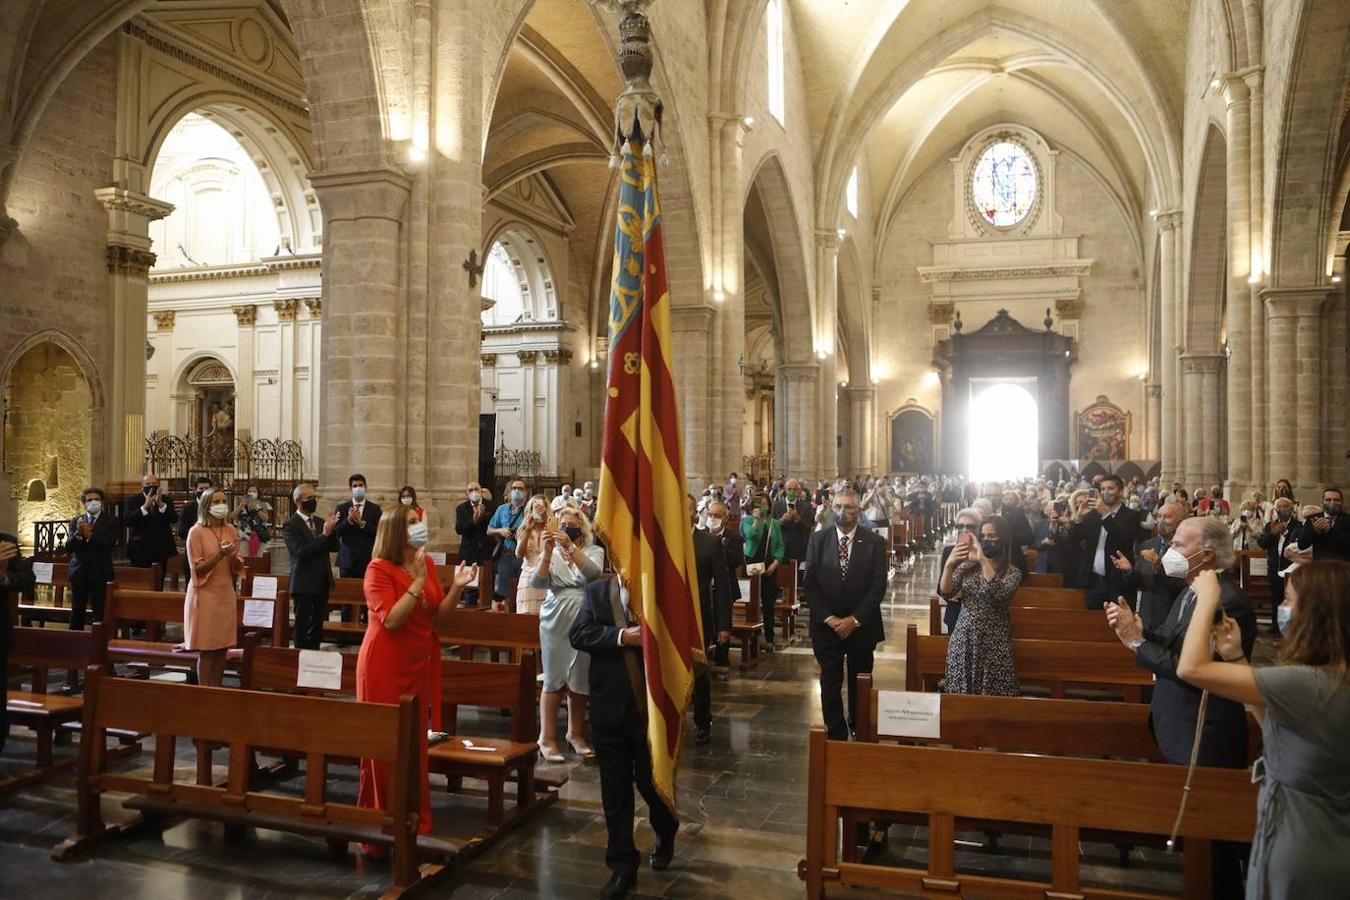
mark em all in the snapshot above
pixel 315 307
pixel 940 313
pixel 116 199
pixel 245 315
pixel 489 360
pixel 286 309
pixel 1201 363
pixel 528 327
pixel 270 266
pixel 1169 220
pixel 561 356
pixel 164 320
pixel 1078 268
pixel 827 239
pixel 124 260
pixel 1300 302
pixel 527 357
pixel 1069 307
pixel 800 371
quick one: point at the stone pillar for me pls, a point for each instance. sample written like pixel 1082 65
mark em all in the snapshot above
pixel 1201 382
pixel 862 402
pixel 1171 447
pixel 159 373
pixel 363 299
pixel 246 391
pixel 1238 329
pixel 1293 329
pixel 1336 463
pixel 1256 231
pixel 798 419
pixel 827 318
pixel 287 341
pixel 129 261
pixel 691 333
pixel 728 294
pixel 1153 393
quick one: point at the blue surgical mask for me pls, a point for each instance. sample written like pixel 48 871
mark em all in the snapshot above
pixel 1282 616
pixel 93 507
pixel 358 494
pixel 517 496
pixel 418 534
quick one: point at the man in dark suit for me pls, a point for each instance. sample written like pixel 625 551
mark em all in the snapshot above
pixel 90 543
pixel 1281 531
pixel 619 729
pixel 1144 572
pixel 309 540
pixel 471 524
pixel 1109 528
pixel 149 519
pixel 1019 526
pixel 1328 535
pixel 845 582
pixel 714 598
pixel 187 516
pixel 16 577
pixel 1057 553
pixel 1200 543
pixel 357 522
pixel 793 511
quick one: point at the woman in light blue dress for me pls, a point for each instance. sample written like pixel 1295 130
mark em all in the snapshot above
pixel 570 560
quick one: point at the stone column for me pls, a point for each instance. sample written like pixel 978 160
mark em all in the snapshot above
pixel 1256 231
pixel 1153 393
pixel 129 261
pixel 287 310
pixel 691 332
pixel 1238 329
pixel 797 419
pixel 1294 317
pixel 1171 449
pixel 158 386
pixel 1336 463
pixel 862 403
pixel 1201 382
pixel 728 293
pixel 363 299
pixel 827 318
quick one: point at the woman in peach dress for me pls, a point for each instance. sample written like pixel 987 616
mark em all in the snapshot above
pixel 211 608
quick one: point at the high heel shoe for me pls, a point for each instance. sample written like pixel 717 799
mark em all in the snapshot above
pixel 586 753
pixel 550 755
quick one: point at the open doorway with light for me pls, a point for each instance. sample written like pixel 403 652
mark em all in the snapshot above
pixel 1004 429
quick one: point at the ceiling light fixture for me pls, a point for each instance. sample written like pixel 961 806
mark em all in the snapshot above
pixel 748 122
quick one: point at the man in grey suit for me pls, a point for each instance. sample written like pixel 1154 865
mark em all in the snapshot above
pixel 844 583
pixel 309 540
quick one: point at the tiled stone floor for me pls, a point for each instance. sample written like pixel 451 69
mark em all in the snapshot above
pixel 742 807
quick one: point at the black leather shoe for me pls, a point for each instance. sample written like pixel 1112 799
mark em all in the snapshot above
pixel 702 735
pixel 620 884
pixel 662 854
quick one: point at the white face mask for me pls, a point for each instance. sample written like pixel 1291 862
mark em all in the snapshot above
pixel 219 510
pixel 1282 616
pixel 714 524
pixel 418 534
pixel 406 501
pixel 253 495
pixel 1175 563
pixel 475 496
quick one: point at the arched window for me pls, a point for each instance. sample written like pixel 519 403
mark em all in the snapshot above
pixel 1003 184
pixel 501 285
pixel 777 67
pixel 851 193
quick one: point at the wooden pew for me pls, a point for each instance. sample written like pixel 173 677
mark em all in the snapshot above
pixel 156 609
pixel 1041 623
pixel 788 608
pixel 1256 583
pixel 280 630
pixel 1055 598
pixel 471 628
pixel 349 594
pixel 35 651
pixel 58 610
pixel 1043 580
pixel 1055 664
pixel 492 760
pixel 747 625
pixel 317 728
pixel 259 565
pixel 1061 794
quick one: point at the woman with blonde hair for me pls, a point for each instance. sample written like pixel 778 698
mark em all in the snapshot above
pixel 569 560
pixel 211 608
pixel 1301 848
pixel 530 550
pixel 401 653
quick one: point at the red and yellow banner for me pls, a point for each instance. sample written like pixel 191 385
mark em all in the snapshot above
pixel 643 512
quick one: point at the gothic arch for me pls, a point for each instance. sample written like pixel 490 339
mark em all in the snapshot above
pixel 88 370
pixel 1207 280
pixel 770 183
pixel 539 278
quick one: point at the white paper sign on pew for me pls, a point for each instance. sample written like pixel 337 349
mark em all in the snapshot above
pixel 909 714
pixel 436 556
pixel 320 669
pixel 42 571
pixel 1258 567
pixel 258 613
pixel 264 588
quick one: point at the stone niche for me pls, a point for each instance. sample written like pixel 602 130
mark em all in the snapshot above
pixel 47 436
pixel 1024 264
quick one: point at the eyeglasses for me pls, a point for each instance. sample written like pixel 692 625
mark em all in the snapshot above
pixel 966 527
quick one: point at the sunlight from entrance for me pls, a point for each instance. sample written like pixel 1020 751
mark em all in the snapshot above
pixel 1004 432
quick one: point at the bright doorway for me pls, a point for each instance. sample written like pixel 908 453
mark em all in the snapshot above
pixel 1004 430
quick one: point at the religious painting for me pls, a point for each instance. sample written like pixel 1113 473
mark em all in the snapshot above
pixel 912 441
pixel 1103 431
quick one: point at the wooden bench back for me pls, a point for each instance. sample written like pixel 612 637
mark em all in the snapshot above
pixel 1052 663
pixel 37 650
pixel 473 628
pixel 124 605
pixel 280 619
pixel 259 565
pixel 317 728
pixel 281 630
pixel 1055 598
pixel 1041 623
pixel 1061 793
pixel 1042 580
pixel 128 576
pixel 278 668
pixel 509 686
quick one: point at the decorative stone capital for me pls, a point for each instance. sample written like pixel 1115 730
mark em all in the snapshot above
pixel 123 260
pixel 489 360
pixel 1069 307
pixel 1295 302
pixel 120 200
pixel 286 309
pixel 940 313
pixel 1153 391
pixel 828 240
pixel 1201 363
pixel 1169 220
pixel 245 315
pixel 365 194
pixel 798 372
pixel 315 307
pixel 527 357
pixel 164 320
pixel 561 356
pixel 1234 90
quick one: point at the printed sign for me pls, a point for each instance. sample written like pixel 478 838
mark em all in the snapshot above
pixel 42 571
pixel 1258 566
pixel 264 588
pixel 320 669
pixel 909 714
pixel 258 613
pixel 436 556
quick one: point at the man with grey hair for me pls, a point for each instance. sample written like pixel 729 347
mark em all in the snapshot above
pixel 1200 543
pixel 1144 572
pixel 1280 532
pixel 309 540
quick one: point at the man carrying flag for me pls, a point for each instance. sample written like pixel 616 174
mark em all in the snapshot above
pixel 639 703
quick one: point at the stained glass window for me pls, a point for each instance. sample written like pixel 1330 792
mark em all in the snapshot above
pixel 1003 187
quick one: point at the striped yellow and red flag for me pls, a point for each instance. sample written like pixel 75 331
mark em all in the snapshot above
pixel 643 513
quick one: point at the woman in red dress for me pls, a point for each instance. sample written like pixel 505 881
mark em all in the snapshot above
pixel 401 654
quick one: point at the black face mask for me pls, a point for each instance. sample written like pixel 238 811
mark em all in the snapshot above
pixel 991 547
pixel 1332 507
pixel 573 532
pixel 309 505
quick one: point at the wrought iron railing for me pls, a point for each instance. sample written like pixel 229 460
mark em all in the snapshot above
pixel 225 460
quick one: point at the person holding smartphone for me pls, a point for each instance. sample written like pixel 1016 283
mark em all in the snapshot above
pixel 980 652
pixel 211 607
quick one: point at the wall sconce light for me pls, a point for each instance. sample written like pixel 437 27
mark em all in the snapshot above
pixel 748 122
pixel 843 233
pixel 416 155
pixel 719 297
